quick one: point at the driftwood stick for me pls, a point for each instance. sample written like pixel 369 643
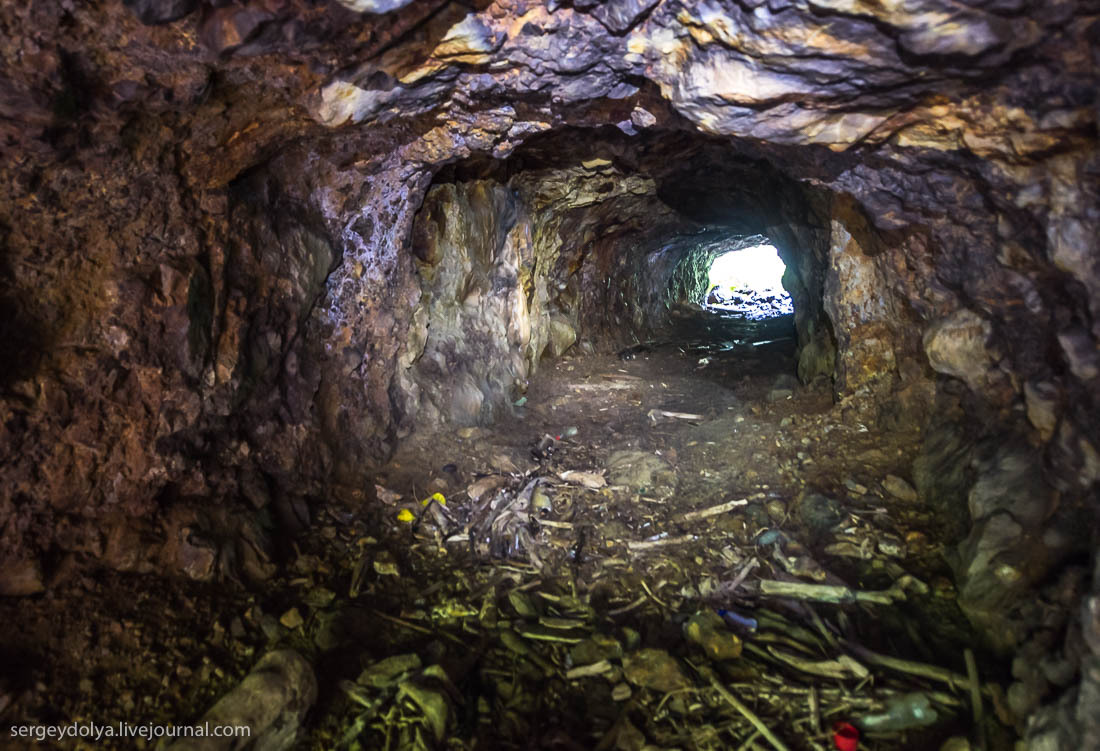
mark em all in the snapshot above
pixel 820 626
pixel 721 508
pixel 418 629
pixel 655 414
pixel 652 596
pixel 975 697
pixel 815 710
pixel 749 741
pixel 744 572
pixel 663 542
pixel 641 600
pixel 923 669
pixel 824 668
pixel 822 592
pixel 842 595
pixel 749 715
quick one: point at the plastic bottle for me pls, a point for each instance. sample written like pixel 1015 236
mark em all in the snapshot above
pixel 737 620
pixel 908 711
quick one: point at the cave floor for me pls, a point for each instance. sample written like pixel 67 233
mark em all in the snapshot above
pixel 567 611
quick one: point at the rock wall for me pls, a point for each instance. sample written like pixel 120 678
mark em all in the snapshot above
pixel 518 267
pixel 475 338
pixel 216 283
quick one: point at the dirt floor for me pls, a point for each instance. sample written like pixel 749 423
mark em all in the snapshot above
pixel 605 569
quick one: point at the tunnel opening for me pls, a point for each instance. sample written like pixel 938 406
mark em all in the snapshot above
pixel 405 336
pixel 587 406
pixel 577 246
pixel 748 282
pixel 575 399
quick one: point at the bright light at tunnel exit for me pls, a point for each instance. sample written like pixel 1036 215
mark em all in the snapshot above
pixel 758 268
pixel 749 282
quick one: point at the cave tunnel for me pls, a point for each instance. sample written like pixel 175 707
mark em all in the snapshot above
pixel 390 375
pixel 747 279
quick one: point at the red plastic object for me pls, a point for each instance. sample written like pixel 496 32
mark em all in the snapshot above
pixel 845 736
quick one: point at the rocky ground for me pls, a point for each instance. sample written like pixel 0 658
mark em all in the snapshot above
pixel 751 303
pixel 602 570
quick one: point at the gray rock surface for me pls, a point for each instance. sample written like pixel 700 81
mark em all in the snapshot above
pixel 271 701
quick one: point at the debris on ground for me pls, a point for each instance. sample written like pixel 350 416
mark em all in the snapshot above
pixel 648 556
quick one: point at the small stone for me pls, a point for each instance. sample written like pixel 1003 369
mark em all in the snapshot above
pixel 385 564
pixel 319 597
pixel 890 545
pixel 855 487
pixel 956 346
pixel 709 631
pixel 641 118
pixel 272 700
pixel 236 628
pixel 1057 670
pixel 562 335
pixel 270 626
pixel 291 619
pixel 384 672
pixel 483 486
pixel 1042 407
pixel 819 513
pixel 899 488
pixel 631 638
pixel 596 648
pixel 503 463
pixel 328 634
pixel 641 470
pixel 1080 350
pixel 621 692
pixel 655 669
pixel 1025 696
pixel 805 567
pixel 916 542
pixel 943 587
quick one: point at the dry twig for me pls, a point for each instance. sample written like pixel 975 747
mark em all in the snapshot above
pixel 721 508
pixel 749 715
pixel 663 542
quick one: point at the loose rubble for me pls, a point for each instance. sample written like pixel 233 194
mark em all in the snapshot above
pixel 591 577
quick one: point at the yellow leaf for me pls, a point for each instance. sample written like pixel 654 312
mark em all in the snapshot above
pixel 437 497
